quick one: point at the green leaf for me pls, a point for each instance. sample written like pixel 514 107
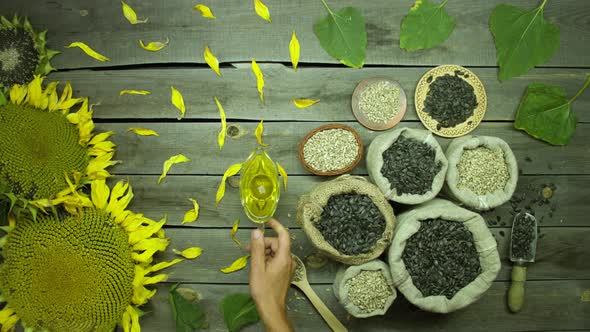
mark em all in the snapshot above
pixel 425 26
pixel 523 39
pixel 187 315
pixel 343 36
pixel 238 311
pixel 544 113
pixel 3 100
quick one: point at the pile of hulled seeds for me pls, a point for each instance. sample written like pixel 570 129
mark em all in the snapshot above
pixel 410 166
pixel 441 257
pixel 523 235
pixel 330 150
pixel 351 223
pixel 450 100
pixel 380 101
pixel 482 170
pixel 368 290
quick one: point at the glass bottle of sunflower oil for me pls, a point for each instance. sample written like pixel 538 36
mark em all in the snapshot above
pixel 259 186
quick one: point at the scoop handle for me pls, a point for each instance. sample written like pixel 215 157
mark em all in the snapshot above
pixel 328 316
pixel 516 291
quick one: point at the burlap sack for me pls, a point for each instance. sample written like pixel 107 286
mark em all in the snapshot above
pixel 467 197
pixel 375 163
pixel 311 205
pixel 409 223
pixel 341 291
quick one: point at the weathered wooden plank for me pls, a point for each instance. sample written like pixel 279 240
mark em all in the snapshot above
pixel 550 305
pixel 561 254
pixel 567 207
pixel 239 35
pixel 333 86
pixel 198 141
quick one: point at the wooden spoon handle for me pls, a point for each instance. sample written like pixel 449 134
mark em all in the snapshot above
pixel 328 316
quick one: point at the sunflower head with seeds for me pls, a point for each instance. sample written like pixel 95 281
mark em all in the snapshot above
pixel 83 272
pixel 23 52
pixel 48 151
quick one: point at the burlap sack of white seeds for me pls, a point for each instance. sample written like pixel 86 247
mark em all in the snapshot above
pixel 489 259
pixel 341 291
pixel 310 207
pixel 375 163
pixel 466 196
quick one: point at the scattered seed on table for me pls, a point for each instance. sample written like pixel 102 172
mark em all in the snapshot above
pixel 330 150
pixel 450 100
pixel 482 170
pixel 368 290
pixel 380 101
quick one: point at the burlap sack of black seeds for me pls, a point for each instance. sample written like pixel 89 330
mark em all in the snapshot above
pixel 415 184
pixel 374 293
pixel 486 253
pixel 484 185
pixel 311 206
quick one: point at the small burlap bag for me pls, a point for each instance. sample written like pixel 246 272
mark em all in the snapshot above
pixel 341 291
pixel 489 259
pixel 375 162
pixel 311 205
pixel 466 196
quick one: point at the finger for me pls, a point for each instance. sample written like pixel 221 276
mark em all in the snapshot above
pixel 257 252
pixel 271 243
pixel 284 245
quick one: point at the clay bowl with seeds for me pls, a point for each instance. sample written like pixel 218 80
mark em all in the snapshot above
pixel 332 149
pixel 369 99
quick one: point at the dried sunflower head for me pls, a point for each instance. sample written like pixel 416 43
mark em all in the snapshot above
pixel 23 52
pixel 84 272
pixel 47 150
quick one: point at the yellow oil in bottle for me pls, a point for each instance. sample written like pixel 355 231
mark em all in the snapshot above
pixel 259 186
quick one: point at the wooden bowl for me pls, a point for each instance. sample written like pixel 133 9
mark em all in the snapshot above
pixel 363 119
pixel 335 172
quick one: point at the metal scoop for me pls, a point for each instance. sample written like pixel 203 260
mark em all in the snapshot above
pixel 523 247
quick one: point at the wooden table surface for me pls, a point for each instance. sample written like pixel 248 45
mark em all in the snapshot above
pixel 558 291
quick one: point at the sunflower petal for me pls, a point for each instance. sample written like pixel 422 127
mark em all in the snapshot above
pixel 283 174
pixel 261 10
pixel 234 230
pixel 231 171
pixel 98 138
pixel 89 51
pixel 211 60
pixel 143 131
pixel 178 101
pixel 154 46
pixel 258 133
pixel 18 93
pixel 151 244
pixel 193 214
pixel 222 132
pixel 164 265
pixel 259 79
pixel 294 50
pixel 134 92
pixel 303 103
pixel 205 11
pixel 177 159
pixel 99 193
pixel 130 14
pixel 189 253
pixel 237 265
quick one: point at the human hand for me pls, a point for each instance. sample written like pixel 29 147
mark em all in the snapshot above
pixel 270 275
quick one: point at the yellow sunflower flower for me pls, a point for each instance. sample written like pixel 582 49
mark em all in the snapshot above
pixel 84 272
pixel 47 151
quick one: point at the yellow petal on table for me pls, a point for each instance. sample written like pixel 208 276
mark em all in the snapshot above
pixel 130 14
pixel 189 253
pixel 205 11
pixel 178 101
pixel 193 214
pixel 258 133
pixel 259 79
pixel 303 103
pixel 211 60
pixel 221 135
pixel 154 46
pixel 234 230
pixel 177 159
pixel 134 92
pixel 261 10
pixel 143 131
pixel 237 265
pixel 294 50
pixel 283 174
pixel 231 171
pixel 89 51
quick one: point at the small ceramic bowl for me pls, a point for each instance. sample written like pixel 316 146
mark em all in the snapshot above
pixel 362 117
pixel 335 172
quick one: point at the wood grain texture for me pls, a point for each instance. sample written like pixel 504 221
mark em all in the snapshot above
pixel 561 254
pixel 567 207
pixel 333 86
pixel 545 309
pixel 238 34
pixel 198 141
